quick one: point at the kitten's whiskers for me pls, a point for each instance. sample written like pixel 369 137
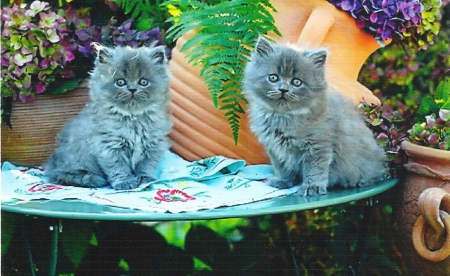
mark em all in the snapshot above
pixel 137 54
pixel 292 97
pixel 142 96
pixel 274 94
pixel 113 73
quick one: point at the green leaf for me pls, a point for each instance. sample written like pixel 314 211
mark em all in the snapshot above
pixel 208 246
pixel 9 222
pixel 145 13
pixel 6 3
pixel 63 87
pixel 443 94
pixel 174 232
pixel 427 106
pixel 6 92
pixel 76 238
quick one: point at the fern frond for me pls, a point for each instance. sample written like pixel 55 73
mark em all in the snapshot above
pixel 225 35
pixel 147 14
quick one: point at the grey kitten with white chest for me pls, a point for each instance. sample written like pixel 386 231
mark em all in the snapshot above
pixel 313 135
pixel 120 136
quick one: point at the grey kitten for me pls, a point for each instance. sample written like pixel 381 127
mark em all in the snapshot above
pixel 312 134
pixel 120 136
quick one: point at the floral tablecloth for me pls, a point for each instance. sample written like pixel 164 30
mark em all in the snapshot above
pixel 180 186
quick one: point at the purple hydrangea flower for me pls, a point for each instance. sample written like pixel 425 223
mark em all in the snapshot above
pixel 384 19
pixel 39 45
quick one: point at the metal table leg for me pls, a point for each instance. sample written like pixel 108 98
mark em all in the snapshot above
pixel 291 247
pixel 54 248
pixel 56 228
pixel 366 228
pixel 26 240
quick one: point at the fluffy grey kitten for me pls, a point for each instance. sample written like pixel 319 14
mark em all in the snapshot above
pixel 120 136
pixel 313 135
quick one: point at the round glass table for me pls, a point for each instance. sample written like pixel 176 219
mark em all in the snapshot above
pixel 76 209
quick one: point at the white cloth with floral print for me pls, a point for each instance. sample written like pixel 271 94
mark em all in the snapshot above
pixel 181 186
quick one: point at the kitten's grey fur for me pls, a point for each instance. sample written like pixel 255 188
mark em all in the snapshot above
pixel 120 136
pixel 312 134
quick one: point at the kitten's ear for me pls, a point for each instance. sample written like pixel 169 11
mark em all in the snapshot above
pixel 263 47
pixel 103 53
pixel 158 55
pixel 319 57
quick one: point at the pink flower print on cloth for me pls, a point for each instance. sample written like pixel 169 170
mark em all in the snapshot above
pixel 44 188
pixel 172 195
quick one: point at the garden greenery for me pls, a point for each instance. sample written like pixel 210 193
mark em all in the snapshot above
pixel 321 241
pixel 41 46
pixel 146 13
pixel 434 130
pixel 33 49
pixel 427 125
pixel 414 89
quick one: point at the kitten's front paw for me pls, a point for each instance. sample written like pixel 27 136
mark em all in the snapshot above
pixel 125 184
pixel 280 183
pixel 312 190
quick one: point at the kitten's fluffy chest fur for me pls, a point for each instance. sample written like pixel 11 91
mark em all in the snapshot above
pixel 139 137
pixel 287 128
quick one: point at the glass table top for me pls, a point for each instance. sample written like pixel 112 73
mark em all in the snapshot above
pixel 76 209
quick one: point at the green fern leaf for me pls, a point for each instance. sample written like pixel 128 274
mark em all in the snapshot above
pixel 225 34
pixel 145 13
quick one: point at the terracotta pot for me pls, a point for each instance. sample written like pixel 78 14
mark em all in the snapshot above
pixel 423 238
pixel 35 126
pixel 201 131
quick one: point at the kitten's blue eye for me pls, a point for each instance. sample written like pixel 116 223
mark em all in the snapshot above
pixel 143 82
pixel 296 82
pixel 121 82
pixel 273 78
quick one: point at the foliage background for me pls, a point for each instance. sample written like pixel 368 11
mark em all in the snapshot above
pixel 317 242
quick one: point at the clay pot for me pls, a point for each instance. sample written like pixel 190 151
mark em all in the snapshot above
pixel 201 131
pixel 423 221
pixel 35 126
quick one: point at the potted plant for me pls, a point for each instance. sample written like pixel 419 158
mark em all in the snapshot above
pixel 199 28
pixel 47 50
pixel 419 142
pixel 426 187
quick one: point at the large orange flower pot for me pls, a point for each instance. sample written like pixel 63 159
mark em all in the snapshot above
pixel 201 131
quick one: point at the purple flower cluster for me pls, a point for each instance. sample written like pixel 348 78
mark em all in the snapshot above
pixel 33 49
pixel 83 34
pixel 123 35
pixel 40 46
pixel 389 123
pixel 384 19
